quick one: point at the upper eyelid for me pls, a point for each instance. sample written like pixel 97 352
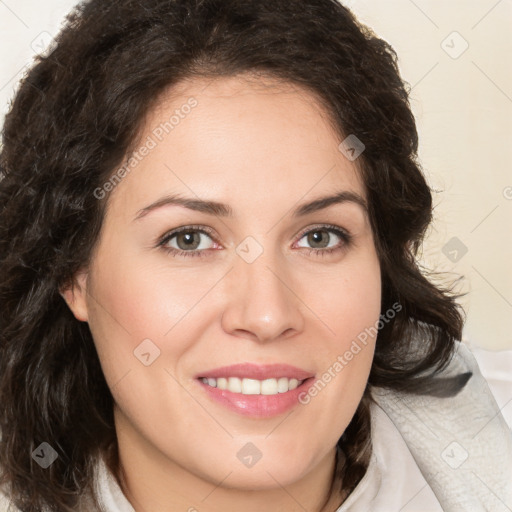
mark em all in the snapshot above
pixel 327 227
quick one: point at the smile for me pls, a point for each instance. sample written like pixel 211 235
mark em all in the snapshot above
pixel 258 391
pixel 253 386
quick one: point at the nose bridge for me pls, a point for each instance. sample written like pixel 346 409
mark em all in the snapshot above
pixel 263 303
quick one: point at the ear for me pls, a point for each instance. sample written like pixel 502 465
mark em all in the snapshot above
pixel 75 295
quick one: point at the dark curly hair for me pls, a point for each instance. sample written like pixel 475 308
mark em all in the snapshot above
pixel 77 113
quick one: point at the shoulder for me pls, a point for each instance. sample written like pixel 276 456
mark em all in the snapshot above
pixel 496 368
pixel 456 440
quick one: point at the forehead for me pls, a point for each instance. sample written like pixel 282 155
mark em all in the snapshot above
pixel 255 140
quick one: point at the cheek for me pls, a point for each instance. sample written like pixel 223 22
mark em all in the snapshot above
pixel 131 311
pixel 134 299
pixel 351 299
pixel 350 306
pixel 141 297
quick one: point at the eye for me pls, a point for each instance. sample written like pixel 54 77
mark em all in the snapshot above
pixel 186 241
pixel 320 237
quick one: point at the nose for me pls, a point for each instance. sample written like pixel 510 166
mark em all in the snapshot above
pixel 261 301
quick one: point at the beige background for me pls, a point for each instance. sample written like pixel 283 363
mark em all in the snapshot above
pixel 456 55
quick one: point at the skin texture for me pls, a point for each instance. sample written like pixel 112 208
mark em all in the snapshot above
pixel 263 148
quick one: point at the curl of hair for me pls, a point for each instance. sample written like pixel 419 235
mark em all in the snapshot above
pixel 74 119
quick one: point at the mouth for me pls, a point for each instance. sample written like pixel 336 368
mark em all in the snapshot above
pixel 258 391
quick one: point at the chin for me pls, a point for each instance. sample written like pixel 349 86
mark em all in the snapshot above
pixel 269 472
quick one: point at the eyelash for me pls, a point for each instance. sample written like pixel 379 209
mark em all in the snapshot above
pixel 341 233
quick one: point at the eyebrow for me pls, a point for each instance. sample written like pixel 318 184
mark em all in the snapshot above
pixel 224 210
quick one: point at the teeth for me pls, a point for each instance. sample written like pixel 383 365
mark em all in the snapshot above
pixel 253 386
pixel 294 383
pixel 235 385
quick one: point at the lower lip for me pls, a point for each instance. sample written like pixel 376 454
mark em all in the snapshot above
pixel 258 406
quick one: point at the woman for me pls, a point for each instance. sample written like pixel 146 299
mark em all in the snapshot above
pixel 252 371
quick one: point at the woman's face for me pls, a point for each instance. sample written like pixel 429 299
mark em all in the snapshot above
pixel 261 283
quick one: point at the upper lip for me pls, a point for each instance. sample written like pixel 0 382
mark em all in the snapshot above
pixel 257 372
